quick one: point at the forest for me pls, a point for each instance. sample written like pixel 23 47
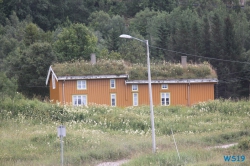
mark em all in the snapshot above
pixel 37 33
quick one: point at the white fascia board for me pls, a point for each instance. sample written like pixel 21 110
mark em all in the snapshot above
pixel 91 77
pixel 48 75
pixel 172 81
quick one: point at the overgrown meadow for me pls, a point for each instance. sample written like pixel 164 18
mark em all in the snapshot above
pixel 98 133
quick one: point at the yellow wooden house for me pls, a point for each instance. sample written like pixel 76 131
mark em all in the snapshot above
pixel 122 91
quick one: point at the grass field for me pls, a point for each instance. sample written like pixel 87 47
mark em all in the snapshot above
pixel 28 134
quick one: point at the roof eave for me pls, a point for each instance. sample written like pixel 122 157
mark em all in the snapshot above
pixel 172 81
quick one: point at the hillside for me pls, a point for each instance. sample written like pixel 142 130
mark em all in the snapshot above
pixel 37 34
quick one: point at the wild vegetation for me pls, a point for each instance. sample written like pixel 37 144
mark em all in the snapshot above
pixel 100 133
pixel 35 35
pixel 160 70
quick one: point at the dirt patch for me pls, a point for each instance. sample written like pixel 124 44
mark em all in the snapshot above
pixel 115 163
pixel 223 146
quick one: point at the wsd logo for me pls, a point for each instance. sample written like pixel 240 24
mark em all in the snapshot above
pixel 234 158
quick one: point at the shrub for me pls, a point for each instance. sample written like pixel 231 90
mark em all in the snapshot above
pixel 244 144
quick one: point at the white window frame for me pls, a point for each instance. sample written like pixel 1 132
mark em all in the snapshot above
pixel 134 87
pixel 164 86
pixel 83 100
pixel 112 83
pixel 113 97
pixel 81 84
pixel 165 99
pixel 135 99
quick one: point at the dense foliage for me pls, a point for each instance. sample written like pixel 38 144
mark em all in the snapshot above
pixel 36 34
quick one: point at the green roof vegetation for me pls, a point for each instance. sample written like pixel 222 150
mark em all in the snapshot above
pixel 159 71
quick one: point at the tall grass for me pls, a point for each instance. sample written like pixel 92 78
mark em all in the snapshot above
pixel 159 70
pixel 100 133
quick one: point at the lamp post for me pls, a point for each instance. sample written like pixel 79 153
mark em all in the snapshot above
pixel 149 88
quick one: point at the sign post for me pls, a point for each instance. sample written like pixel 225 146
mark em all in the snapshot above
pixel 61 132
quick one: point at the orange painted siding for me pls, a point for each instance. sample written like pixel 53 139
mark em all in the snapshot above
pixel 54 93
pixel 98 91
pixel 201 92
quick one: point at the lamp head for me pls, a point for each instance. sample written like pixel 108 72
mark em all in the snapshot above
pixel 125 36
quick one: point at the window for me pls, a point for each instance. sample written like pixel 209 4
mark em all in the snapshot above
pixel 112 83
pixel 53 82
pixel 79 100
pixel 113 99
pixel 81 84
pixel 135 99
pixel 165 99
pixel 134 87
pixel 164 86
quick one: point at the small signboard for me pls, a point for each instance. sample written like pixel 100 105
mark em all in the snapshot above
pixel 61 131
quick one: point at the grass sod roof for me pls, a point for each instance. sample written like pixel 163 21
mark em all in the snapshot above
pixel 159 71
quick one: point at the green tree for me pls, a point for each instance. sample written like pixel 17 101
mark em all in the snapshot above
pixel 195 40
pixel 206 38
pixel 217 43
pixel 31 34
pixel 74 42
pixel 116 28
pixel 8 87
pixel 162 5
pixel 140 22
pixel 35 62
pixel 163 34
pixel 132 50
pixel 99 21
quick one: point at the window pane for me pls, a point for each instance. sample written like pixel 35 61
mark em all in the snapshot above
pixel 134 87
pixel 135 99
pixel 167 95
pixel 165 98
pixel 78 100
pixel 167 101
pixel 113 100
pixel 162 101
pixel 84 100
pixel 81 84
pixel 164 86
pixel 84 84
pixel 78 85
pixel 75 100
pixel 112 83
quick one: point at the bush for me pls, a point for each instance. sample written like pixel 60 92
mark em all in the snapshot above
pixel 8 87
pixel 244 144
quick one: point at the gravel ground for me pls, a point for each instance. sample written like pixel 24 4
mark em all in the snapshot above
pixel 116 163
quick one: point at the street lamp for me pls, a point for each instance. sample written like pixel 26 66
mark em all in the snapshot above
pixel 149 88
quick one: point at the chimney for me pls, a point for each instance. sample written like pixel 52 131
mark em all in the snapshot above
pixel 93 59
pixel 184 61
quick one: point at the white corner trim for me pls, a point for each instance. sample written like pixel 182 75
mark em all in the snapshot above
pixel 48 75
